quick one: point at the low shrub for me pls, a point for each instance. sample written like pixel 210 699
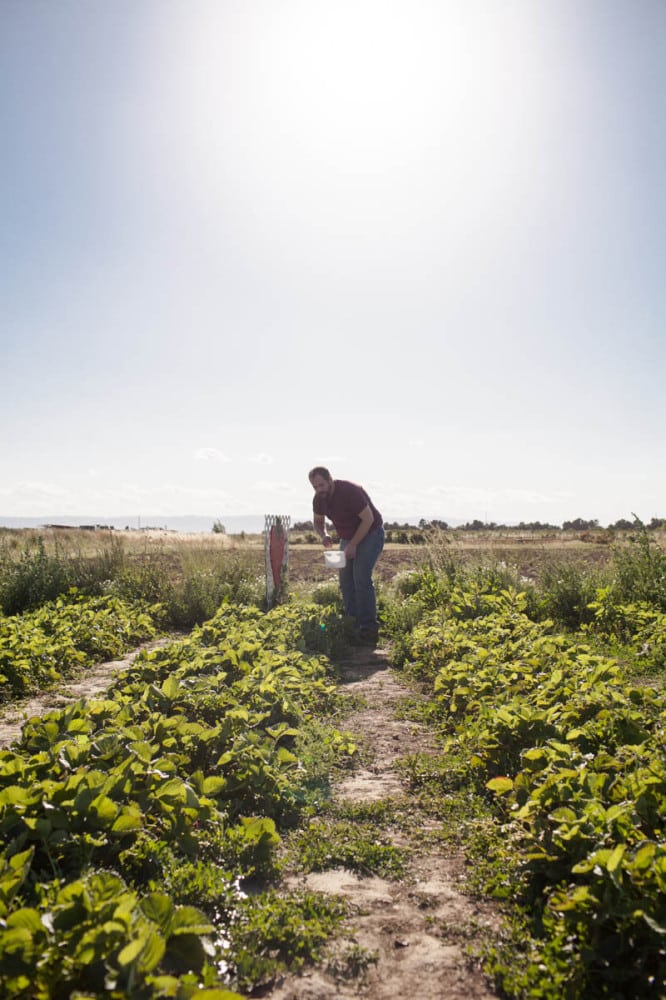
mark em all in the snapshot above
pixel 566 592
pixel 640 569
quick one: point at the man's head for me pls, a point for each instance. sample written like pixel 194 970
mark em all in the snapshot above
pixel 321 480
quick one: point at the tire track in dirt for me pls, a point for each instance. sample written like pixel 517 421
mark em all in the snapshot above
pixel 419 927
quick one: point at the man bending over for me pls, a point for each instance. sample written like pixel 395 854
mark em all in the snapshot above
pixel 361 530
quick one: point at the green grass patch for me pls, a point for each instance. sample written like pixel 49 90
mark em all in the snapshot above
pixel 350 962
pixel 361 847
pixel 273 932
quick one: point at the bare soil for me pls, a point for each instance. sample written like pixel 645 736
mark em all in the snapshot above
pixel 418 930
pixel 529 556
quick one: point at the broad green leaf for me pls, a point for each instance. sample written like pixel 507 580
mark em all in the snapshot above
pixel 171 687
pixel 131 951
pixel 564 815
pixel 615 858
pixel 16 941
pixel 191 797
pixel 168 986
pixel 14 795
pixel 158 908
pixel 500 785
pixel 173 789
pixel 277 732
pixel 644 856
pixel 21 861
pixel 189 920
pixel 257 829
pixel 127 822
pixel 153 952
pixel 26 918
pixel 213 785
pixel 147 950
pixel 105 809
pixel 186 950
pixel 143 750
pixel 78 726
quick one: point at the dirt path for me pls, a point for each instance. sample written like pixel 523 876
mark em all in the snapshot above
pixel 419 927
pixel 94 681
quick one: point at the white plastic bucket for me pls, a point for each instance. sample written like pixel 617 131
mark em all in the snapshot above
pixel 334 558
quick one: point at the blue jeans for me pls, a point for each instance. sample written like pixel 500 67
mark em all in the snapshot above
pixel 358 590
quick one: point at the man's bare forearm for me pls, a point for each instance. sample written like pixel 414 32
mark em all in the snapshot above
pixel 320 527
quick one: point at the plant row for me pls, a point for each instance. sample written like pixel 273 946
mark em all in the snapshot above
pixel 573 757
pixel 130 822
pixel 42 647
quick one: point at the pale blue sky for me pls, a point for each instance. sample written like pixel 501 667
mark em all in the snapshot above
pixel 421 242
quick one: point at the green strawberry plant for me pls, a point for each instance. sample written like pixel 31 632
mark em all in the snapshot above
pixel 571 753
pixel 187 765
pixel 40 648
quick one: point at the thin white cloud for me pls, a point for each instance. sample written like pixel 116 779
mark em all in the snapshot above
pixel 211 455
pixel 192 493
pixel 261 459
pixel 33 498
pixel 273 486
pixel 26 488
pixel 479 494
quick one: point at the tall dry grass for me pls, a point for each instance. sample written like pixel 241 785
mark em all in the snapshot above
pixel 189 575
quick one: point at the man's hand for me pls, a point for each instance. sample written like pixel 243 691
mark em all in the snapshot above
pixel 327 541
pixel 365 517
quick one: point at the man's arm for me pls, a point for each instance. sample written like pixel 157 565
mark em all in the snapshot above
pixel 366 522
pixel 319 521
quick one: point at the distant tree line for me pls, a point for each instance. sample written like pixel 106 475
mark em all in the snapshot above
pixel 405 533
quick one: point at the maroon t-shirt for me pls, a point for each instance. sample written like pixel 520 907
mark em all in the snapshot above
pixel 344 507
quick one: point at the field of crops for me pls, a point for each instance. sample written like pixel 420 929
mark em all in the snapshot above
pixel 134 824
pixel 129 822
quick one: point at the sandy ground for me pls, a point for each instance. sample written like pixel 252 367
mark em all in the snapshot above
pixel 418 928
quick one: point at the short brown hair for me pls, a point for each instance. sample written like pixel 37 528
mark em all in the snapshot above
pixel 320 470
